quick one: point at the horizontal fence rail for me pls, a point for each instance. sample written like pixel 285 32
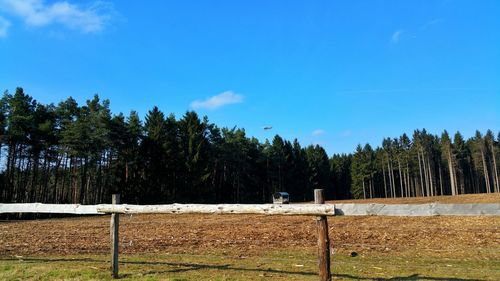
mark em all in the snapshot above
pixel 347 209
pixel 265 209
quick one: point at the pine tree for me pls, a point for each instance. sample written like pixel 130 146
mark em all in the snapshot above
pixel 133 160
pixel 196 151
pixel 319 169
pixel 447 149
pixel 153 154
pixel 358 174
pixel 480 149
pixel 490 146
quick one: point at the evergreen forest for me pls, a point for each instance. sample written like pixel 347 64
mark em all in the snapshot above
pixel 71 153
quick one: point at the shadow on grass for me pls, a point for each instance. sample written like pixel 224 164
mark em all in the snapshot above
pixel 198 266
pixel 185 266
pixel 410 277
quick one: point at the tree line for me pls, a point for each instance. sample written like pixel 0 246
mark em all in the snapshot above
pixel 71 153
pixel 426 165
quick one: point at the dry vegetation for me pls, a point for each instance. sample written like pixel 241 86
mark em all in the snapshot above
pixel 467 239
pixel 252 235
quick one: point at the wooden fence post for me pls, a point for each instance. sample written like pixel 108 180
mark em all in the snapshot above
pixel 323 240
pixel 114 227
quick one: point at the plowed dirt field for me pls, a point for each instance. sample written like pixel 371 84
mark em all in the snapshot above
pixel 237 235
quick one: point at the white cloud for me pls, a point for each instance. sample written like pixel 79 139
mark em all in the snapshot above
pixel 396 36
pixel 4 26
pixel 37 13
pixel 225 98
pixel 318 132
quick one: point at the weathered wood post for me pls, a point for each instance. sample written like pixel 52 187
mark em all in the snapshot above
pixel 323 240
pixel 114 227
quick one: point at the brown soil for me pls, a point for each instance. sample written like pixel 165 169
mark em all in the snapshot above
pixel 236 235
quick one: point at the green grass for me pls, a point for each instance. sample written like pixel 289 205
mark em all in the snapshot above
pixel 274 266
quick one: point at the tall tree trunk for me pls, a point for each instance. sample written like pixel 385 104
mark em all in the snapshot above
pixel 400 178
pixel 405 185
pixel 494 168
pixel 426 175
pixel 462 183
pixel 440 178
pixel 46 178
pixel 64 174
pixel 74 180
pixel 371 186
pixel 475 180
pixel 421 176
pixel 408 179
pixel 23 190
pixel 35 190
pixel 364 193
pixel 390 179
pixel 485 171
pixel 431 178
pixel 10 170
pixel 393 180
pixel 452 174
pixel 385 183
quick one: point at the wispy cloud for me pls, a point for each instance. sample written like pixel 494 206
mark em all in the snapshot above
pixel 4 26
pixel 36 13
pixel 225 98
pixel 399 33
pixel 430 23
pixel 396 35
pixel 318 132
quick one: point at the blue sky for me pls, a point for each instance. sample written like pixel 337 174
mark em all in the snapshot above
pixel 334 73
